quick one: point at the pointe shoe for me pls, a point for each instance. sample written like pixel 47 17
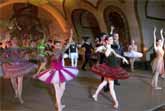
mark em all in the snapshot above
pixel 16 94
pixel 163 76
pixel 35 76
pixel 132 70
pixel 115 105
pixel 95 97
pixel 21 100
pixel 63 106
pixel 157 88
pixel 152 84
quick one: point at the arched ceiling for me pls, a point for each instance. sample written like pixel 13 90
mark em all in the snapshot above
pixel 54 13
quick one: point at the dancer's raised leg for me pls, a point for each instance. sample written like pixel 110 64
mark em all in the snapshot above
pixel 99 88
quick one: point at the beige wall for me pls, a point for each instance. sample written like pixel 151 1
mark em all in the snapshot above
pixel 126 7
pixel 147 25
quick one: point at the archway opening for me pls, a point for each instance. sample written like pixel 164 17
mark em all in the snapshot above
pixel 114 17
pixel 85 24
pixel 20 18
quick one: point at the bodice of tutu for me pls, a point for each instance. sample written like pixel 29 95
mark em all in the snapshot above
pixel 132 48
pixel 160 52
pixel 57 73
pixel 57 62
pixel 112 60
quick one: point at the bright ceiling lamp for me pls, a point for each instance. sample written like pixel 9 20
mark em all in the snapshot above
pixel 38 2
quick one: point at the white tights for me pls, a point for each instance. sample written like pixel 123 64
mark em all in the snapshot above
pixel 74 62
pixel 132 60
pixel 17 86
pixel 59 89
pixel 112 91
pixel 155 81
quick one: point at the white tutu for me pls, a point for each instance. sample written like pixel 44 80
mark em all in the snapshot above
pixel 133 54
pixel 51 76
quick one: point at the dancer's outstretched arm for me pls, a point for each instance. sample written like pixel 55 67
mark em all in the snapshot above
pixel 100 49
pixel 70 40
pixel 155 38
pixel 119 56
pixel 162 38
pixel 112 30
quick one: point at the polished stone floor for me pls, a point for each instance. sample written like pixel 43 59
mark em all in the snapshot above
pixel 134 94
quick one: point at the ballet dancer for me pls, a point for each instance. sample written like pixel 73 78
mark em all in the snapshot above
pixel 109 70
pixel 158 62
pixel 132 54
pixel 15 67
pixel 58 74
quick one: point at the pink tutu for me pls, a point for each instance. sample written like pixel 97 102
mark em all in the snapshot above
pixel 17 69
pixel 58 73
pixel 52 75
pixel 158 65
pixel 158 62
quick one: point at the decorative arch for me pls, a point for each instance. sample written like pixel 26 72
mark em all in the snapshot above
pixel 116 17
pixel 55 14
pixel 98 2
pixel 91 26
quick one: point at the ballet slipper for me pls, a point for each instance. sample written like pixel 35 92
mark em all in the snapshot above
pixel 152 84
pixel 21 100
pixel 34 76
pixel 94 97
pixel 115 105
pixel 157 88
pixel 63 106
pixel 16 94
pixel 132 70
pixel 163 76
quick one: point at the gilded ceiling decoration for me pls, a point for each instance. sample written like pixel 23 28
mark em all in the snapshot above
pixel 38 2
pixel 93 2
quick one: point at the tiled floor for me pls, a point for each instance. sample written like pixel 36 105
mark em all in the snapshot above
pixel 134 94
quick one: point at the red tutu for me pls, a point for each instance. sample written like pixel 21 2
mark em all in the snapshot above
pixel 110 72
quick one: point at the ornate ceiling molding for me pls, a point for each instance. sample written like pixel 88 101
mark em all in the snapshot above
pixel 55 14
pixel 97 2
pixel 96 5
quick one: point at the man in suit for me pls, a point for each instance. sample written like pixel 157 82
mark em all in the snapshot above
pixel 117 46
pixel 88 51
